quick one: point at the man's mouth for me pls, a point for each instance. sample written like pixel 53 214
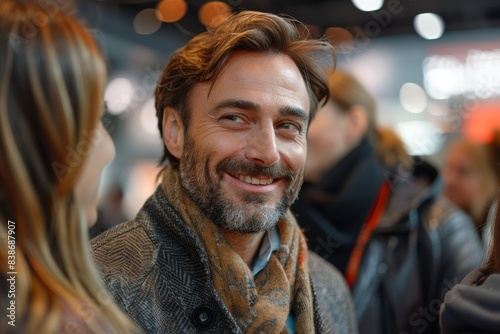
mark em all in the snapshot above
pixel 254 180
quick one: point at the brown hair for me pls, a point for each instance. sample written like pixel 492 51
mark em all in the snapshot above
pixel 51 95
pixel 348 92
pixel 203 58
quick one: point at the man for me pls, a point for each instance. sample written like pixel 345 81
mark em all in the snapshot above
pixel 215 248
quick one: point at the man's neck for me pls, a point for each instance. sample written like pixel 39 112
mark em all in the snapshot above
pixel 245 244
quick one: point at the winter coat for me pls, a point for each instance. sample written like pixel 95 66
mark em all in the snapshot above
pixel 158 272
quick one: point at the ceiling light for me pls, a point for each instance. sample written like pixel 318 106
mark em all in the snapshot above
pixel 368 5
pixel 413 98
pixel 429 25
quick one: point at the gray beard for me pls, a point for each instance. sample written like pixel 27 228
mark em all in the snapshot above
pixel 251 217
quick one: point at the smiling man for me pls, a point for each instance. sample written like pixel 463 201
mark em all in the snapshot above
pixel 215 248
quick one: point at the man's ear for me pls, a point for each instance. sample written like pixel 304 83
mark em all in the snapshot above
pixel 173 132
pixel 359 122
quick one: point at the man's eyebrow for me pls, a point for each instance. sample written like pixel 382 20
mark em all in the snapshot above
pixel 250 105
pixel 295 112
pixel 238 104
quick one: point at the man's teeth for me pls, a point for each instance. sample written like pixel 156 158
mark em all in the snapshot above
pixel 253 180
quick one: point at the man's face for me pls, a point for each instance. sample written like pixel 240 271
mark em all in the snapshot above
pixel 245 148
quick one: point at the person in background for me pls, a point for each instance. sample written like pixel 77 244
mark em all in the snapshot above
pixel 215 248
pixel 375 213
pixel 471 180
pixel 53 148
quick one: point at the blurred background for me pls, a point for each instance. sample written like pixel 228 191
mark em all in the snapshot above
pixel 433 65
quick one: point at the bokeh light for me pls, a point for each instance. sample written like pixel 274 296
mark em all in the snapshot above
pixel 420 137
pixel 146 23
pixel 429 25
pixel 171 10
pixel 413 98
pixel 148 118
pixel 368 5
pixel 480 123
pixel 118 95
pixel 213 13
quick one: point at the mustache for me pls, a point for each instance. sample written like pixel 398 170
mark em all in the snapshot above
pixel 235 166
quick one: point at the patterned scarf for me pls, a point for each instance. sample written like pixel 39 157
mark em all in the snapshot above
pixel 259 304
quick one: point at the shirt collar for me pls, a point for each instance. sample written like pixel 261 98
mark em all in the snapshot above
pixel 269 244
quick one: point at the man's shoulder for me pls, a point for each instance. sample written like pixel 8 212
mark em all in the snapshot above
pixel 116 232
pixel 323 274
pixel 333 295
pixel 129 238
pixel 130 245
pixel 327 280
pixel 124 255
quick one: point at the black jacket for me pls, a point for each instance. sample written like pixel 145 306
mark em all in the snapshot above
pixel 473 306
pixel 422 246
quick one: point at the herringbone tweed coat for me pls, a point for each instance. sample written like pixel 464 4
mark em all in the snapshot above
pixel 158 272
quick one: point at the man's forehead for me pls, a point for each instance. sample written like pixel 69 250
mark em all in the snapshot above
pixel 241 63
pixel 253 70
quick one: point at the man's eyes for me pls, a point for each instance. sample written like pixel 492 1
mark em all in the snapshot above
pixel 233 118
pixel 290 127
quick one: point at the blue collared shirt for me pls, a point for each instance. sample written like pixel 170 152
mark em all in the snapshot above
pixel 270 243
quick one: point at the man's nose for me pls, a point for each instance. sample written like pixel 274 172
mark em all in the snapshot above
pixel 262 146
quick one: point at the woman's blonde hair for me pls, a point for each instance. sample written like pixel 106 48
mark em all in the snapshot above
pixel 348 92
pixel 52 78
